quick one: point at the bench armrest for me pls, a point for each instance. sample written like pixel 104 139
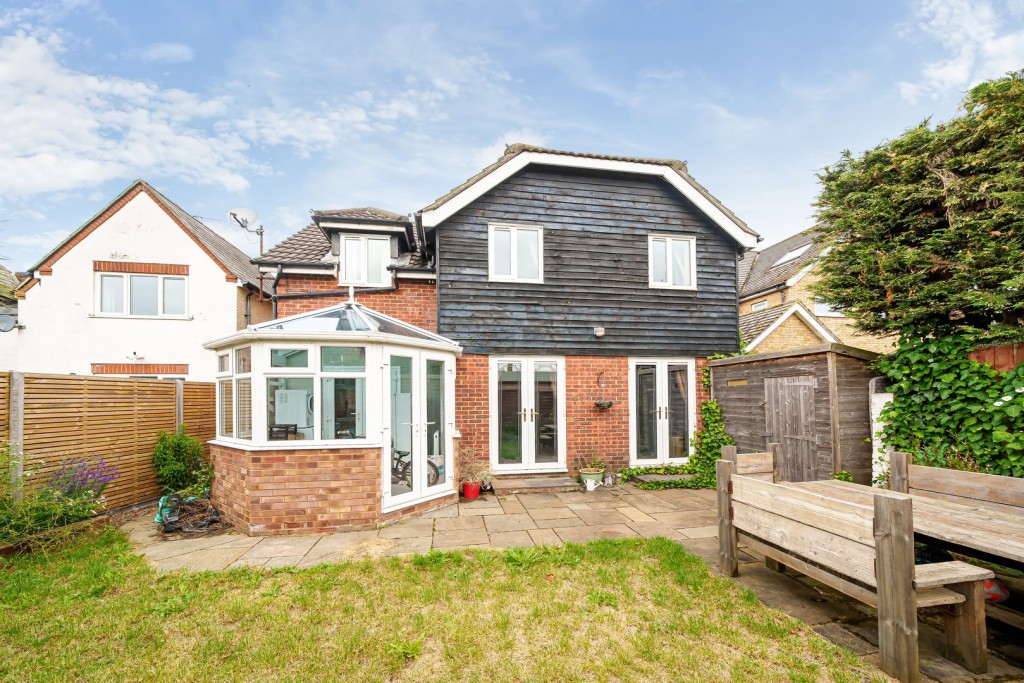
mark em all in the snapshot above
pixel 945 573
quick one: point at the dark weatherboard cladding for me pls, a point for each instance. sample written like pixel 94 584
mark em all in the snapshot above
pixel 596 227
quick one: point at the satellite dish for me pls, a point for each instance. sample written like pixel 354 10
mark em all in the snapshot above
pixel 244 217
pixel 7 323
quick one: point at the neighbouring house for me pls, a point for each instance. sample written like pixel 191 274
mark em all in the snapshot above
pixel 778 310
pixel 8 319
pixel 555 308
pixel 136 291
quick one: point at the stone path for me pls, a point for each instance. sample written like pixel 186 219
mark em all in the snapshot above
pixel 688 517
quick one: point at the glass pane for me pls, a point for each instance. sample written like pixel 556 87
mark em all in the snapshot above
pixel 528 253
pixel 343 359
pixel 223 363
pixel 403 471
pixel 174 296
pixel 678 412
pixel 243 360
pixel 545 377
pixel 659 262
pixel 378 258
pixel 336 320
pixel 289 358
pixel 243 408
pixel 435 423
pixel 343 406
pixel 501 252
pixel 681 263
pixel 354 260
pixel 646 413
pixel 386 326
pixel 510 407
pixel 224 408
pixel 111 294
pixel 144 294
pixel 289 408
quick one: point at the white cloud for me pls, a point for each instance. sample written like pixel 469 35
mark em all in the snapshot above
pixel 977 45
pixel 169 53
pixel 491 153
pixel 39 240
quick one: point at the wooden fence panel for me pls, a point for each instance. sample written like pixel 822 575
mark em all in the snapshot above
pixel 198 415
pixel 68 417
pixel 5 406
pixel 1002 358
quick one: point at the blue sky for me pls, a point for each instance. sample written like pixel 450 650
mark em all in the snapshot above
pixel 290 106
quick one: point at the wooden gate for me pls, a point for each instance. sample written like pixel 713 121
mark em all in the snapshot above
pixel 789 406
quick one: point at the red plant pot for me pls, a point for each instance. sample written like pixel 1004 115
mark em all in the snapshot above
pixel 471 489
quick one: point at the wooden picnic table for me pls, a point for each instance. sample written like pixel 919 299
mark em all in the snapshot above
pixel 981 532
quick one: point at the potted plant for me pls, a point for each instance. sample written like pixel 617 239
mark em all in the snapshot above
pixel 592 473
pixel 472 476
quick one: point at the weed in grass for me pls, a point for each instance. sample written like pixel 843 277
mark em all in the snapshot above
pixel 521 559
pixel 404 649
pixel 603 599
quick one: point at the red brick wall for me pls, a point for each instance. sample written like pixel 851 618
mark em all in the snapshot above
pixel 588 379
pixel 297 491
pixel 414 302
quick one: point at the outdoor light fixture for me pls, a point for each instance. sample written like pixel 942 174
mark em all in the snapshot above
pixel 598 331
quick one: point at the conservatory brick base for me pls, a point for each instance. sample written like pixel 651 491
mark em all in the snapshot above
pixel 302 491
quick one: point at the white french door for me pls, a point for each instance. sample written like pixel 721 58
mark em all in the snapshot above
pixel 527 407
pixel 663 413
pixel 420 400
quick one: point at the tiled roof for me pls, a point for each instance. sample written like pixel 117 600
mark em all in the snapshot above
pixel 8 283
pixel 753 324
pixel 307 246
pixel 761 270
pixel 514 150
pixel 364 213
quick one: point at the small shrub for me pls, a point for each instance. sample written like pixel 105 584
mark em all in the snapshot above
pixel 180 463
pixel 842 475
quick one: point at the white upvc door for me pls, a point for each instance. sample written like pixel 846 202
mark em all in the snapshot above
pixel 420 404
pixel 663 410
pixel 527 407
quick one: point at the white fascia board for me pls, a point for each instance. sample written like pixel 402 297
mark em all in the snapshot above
pixel 295 270
pixel 412 275
pixel 331 337
pixel 361 227
pixel 826 335
pixel 478 189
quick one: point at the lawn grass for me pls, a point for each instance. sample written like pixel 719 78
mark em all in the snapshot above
pixel 624 610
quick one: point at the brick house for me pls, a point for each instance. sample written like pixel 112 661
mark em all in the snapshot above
pixel 778 310
pixel 580 295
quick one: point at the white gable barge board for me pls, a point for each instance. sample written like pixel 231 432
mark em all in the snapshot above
pixel 823 332
pixel 499 175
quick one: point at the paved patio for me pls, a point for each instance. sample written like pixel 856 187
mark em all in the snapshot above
pixel 688 517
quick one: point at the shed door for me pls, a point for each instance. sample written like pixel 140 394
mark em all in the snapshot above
pixel 789 402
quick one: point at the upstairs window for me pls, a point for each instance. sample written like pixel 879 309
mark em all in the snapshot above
pixel 146 296
pixel 823 309
pixel 365 260
pixel 515 253
pixel 792 255
pixel 759 306
pixel 671 262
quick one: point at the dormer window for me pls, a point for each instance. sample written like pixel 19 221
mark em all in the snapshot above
pixel 364 260
pixel 793 254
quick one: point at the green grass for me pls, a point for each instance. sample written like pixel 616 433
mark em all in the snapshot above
pixel 621 610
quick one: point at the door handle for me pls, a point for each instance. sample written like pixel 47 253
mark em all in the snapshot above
pixel 533 414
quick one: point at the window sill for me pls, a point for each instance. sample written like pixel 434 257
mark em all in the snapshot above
pixel 298 445
pixel 122 316
pixel 515 281
pixel 684 288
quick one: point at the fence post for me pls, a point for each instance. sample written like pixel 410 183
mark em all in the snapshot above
pixel 776 450
pixel 729 453
pixel 727 550
pixel 16 428
pixel 179 403
pixel 899 472
pixel 894 577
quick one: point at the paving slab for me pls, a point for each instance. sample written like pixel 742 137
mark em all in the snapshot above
pixel 410 528
pixel 700 532
pixel 605 504
pixel 461 537
pixel 519 522
pixel 583 534
pixel 655 529
pixel 601 517
pixel 252 562
pixel 480 503
pixel 579 506
pixel 283 561
pixel 647 503
pixel 511 505
pixel 407 546
pixel 457 523
pixel 333 544
pixel 553 513
pixel 512 539
pixel 534 501
pixel 544 537
pixel 634 515
pixel 281 546
pixel 210 559
pixel 175 546
pixel 707 550
pixel 559 523
pixel 836 633
pixel 686 519
pixel 466 511
pixel 442 513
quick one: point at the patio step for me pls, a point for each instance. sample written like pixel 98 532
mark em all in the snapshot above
pixel 505 486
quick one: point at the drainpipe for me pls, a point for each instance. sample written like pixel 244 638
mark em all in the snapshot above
pixel 248 308
pixel 273 289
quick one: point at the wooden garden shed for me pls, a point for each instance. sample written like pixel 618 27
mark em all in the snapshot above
pixel 813 401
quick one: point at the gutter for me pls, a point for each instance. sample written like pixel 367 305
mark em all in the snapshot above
pixel 332 292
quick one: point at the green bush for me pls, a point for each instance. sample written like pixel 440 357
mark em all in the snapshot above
pixel 180 463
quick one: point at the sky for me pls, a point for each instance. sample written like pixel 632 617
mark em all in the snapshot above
pixel 290 106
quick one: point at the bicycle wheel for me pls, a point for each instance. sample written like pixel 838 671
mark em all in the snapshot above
pixel 405 473
pixel 432 474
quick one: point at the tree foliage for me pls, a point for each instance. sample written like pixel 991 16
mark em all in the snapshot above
pixel 928 229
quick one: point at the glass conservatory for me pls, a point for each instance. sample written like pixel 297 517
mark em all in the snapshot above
pixel 319 410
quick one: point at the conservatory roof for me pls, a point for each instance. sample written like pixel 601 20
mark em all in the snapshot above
pixel 349 321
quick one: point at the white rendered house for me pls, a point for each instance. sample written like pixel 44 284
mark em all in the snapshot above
pixel 136 291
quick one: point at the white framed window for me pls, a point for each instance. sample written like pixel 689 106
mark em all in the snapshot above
pixel 793 254
pixel 142 296
pixel 365 259
pixel 759 306
pixel 826 310
pixel 515 253
pixel 671 262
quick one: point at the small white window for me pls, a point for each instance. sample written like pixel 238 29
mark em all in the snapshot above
pixel 671 262
pixel 364 260
pixel 515 253
pixel 759 306
pixel 826 310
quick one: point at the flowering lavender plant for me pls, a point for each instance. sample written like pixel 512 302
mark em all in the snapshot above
pixel 78 477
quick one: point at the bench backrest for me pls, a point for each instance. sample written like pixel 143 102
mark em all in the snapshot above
pixel 755 465
pixel 830 533
pixel 1005 494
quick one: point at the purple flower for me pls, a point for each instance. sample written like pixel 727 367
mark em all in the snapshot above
pixel 78 476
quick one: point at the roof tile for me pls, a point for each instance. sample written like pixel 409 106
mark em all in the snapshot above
pixel 762 271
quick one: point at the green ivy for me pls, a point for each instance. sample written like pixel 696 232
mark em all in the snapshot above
pixel 950 411
pixel 701 465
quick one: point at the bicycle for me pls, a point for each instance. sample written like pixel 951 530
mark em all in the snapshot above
pixel 401 469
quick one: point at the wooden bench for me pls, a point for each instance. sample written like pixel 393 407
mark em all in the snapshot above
pixel 865 552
